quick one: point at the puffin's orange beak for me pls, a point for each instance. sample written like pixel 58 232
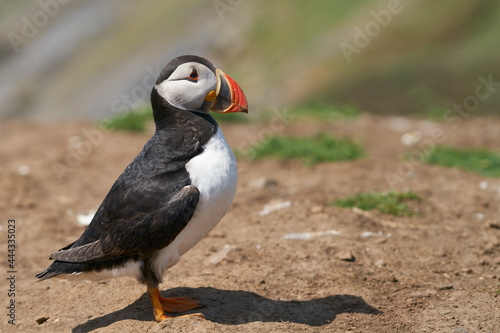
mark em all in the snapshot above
pixel 229 96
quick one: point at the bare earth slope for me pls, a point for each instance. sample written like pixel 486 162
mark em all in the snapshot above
pixel 438 272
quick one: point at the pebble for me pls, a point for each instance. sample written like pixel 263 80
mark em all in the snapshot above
pixel 411 138
pixel 345 255
pixel 219 255
pixel 479 216
pixel 311 235
pixel 423 293
pixel 366 234
pixel 379 263
pixel 261 183
pixel 494 225
pixel 41 320
pixel 444 287
pixel 316 209
pixel 272 206
pixel 23 170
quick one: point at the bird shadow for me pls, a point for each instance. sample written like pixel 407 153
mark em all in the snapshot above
pixel 235 307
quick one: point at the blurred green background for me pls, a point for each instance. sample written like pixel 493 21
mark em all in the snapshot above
pixel 92 59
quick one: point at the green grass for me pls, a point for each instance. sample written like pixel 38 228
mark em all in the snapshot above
pixel 137 120
pixel 495 289
pixel 323 111
pixel 434 114
pixel 482 161
pixel 390 203
pixel 131 121
pixel 233 118
pixel 314 111
pixel 311 150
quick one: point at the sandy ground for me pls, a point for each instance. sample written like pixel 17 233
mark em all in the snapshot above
pixel 438 272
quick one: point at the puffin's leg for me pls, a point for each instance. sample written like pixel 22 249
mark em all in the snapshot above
pixel 154 295
pixel 174 304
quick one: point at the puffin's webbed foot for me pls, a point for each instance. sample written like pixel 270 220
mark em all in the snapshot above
pixel 172 304
pixel 179 304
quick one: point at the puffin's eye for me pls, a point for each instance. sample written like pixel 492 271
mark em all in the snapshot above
pixel 194 75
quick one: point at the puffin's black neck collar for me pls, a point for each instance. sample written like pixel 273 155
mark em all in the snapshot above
pixel 165 114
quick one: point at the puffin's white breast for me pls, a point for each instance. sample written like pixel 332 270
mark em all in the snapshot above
pixel 215 174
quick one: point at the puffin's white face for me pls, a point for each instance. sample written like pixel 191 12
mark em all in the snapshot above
pixel 188 87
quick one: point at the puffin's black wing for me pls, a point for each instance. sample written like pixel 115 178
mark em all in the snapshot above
pixel 148 205
pixel 141 234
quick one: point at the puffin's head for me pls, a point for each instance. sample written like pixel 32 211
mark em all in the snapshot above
pixel 193 83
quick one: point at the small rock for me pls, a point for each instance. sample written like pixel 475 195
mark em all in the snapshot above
pixel 262 183
pixel 379 263
pixel 345 255
pixel 23 170
pixel 41 320
pixel 459 330
pixel 311 235
pixel 494 225
pixel 74 142
pixel 411 138
pixel 423 293
pixel 275 205
pixel 444 287
pixel 220 255
pixel 366 234
pixel 317 209
pixel 479 216
pixel 65 200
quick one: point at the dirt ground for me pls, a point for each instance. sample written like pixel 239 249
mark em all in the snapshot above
pixel 437 272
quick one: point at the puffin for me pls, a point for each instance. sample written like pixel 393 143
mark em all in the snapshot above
pixel 171 195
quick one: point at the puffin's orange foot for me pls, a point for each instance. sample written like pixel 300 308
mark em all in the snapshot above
pixel 179 304
pixel 173 304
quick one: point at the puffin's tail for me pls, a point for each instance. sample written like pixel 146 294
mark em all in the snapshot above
pixel 73 268
pixel 46 275
pixel 54 269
